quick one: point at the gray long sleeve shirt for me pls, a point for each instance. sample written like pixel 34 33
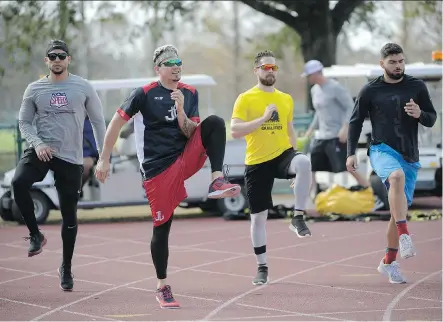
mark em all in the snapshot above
pixel 333 106
pixel 59 111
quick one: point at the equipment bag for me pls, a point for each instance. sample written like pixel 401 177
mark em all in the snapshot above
pixel 346 202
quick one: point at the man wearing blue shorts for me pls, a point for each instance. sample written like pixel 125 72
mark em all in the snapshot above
pixel 396 104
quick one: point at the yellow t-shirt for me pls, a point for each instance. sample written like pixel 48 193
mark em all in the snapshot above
pixel 271 139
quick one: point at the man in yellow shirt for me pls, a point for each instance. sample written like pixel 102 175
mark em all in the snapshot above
pixel 263 115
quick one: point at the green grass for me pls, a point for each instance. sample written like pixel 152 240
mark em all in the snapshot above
pixel 8 142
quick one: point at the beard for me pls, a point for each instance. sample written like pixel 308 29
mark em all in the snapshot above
pixel 396 76
pixel 268 80
pixel 57 70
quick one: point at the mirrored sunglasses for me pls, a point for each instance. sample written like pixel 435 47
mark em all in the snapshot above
pixel 268 67
pixel 172 62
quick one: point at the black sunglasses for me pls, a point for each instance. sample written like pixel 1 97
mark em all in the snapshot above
pixel 61 56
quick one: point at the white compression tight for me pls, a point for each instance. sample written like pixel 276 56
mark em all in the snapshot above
pixel 301 167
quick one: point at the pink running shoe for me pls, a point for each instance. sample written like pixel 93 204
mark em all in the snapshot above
pixel 222 188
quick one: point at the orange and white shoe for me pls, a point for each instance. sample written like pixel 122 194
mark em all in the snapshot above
pixel 166 299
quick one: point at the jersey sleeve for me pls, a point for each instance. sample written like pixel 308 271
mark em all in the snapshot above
pixel 26 117
pixel 132 104
pixel 240 109
pixel 94 110
pixel 428 115
pixel 361 109
pixel 194 114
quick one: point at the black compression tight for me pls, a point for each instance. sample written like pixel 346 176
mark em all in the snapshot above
pixel 213 134
pixel 160 248
pixel 67 181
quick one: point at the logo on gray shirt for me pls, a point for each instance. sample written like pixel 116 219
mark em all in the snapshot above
pixel 58 100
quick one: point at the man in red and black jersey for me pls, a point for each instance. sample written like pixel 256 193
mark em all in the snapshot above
pixel 172 145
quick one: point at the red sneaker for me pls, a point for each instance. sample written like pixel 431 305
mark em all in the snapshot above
pixel 221 188
pixel 166 299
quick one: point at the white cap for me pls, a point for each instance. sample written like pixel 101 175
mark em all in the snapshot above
pixel 311 67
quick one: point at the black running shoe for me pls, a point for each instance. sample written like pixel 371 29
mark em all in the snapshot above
pixel 262 276
pixel 66 278
pixel 298 226
pixel 37 241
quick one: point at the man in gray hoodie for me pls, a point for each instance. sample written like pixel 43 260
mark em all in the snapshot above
pixel 58 104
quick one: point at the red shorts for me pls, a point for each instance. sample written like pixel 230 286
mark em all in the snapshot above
pixel 166 190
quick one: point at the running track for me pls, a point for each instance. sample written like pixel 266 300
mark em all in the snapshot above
pixel 331 276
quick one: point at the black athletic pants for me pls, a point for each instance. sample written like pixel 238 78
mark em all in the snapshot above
pixel 213 133
pixel 68 178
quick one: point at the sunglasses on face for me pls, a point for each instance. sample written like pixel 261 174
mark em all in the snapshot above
pixel 172 62
pixel 268 67
pixel 61 56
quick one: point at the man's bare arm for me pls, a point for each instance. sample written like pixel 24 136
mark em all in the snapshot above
pixel 240 128
pixel 111 136
pixel 186 125
pixel 292 135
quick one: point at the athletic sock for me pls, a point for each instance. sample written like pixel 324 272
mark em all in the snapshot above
pixel 402 227
pixel 390 256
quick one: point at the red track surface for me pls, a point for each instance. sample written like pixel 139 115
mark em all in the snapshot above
pixel 331 276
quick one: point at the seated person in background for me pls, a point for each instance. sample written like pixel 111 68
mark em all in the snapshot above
pixel 90 153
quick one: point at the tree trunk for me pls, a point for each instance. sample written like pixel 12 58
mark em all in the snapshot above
pixel 84 49
pixel 64 19
pixel 318 41
pixel 324 50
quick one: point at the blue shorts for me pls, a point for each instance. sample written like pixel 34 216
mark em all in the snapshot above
pixel 385 160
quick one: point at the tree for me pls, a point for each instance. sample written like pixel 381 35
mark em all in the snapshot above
pixel 317 24
pixel 28 24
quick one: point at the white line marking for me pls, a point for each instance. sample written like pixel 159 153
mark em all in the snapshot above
pixel 369 311
pixel 221 273
pixel 177 294
pixel 339 288
pixel 394 302
pixel 230 239
pixel 327 313
pixel 126 285
pixel 84 281
pixel 290 312
pixel 89 315
pixel 289 259
pixel 315 285
pixel 74 266
pixel 24 303
pixel 244 305
pixel 17 270
pixel 423 299
pixel 238 297
pixel 173 272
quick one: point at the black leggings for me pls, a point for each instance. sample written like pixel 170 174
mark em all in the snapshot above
pixel 213 134
pixel 68 179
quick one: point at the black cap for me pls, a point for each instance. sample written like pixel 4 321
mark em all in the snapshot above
pixel 57 44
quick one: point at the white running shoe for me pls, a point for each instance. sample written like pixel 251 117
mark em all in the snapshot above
pixel 392 271
pixel 406 246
